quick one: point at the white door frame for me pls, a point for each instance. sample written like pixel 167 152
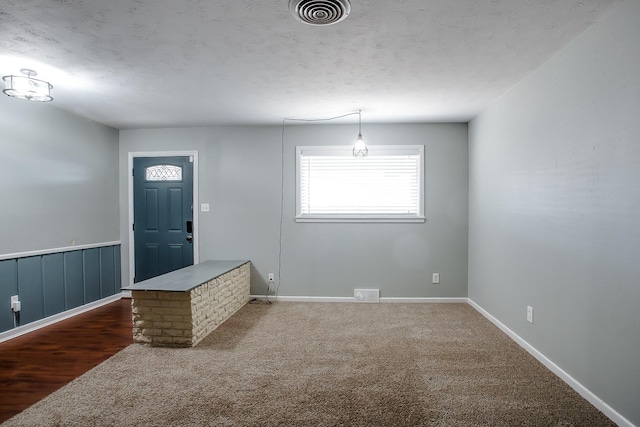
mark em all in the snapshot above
pixel 196 204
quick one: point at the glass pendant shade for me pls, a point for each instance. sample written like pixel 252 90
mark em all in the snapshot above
pixel 26 87
pixel 360 149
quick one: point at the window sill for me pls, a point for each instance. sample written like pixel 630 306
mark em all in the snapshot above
pixel 385 219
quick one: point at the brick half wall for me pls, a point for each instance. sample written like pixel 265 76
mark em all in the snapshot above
pixel 183 319
pixel 215 301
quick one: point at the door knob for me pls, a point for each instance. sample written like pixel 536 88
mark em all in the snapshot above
pixel 189 238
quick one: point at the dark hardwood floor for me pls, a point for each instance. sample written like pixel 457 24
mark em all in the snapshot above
pixel 36 364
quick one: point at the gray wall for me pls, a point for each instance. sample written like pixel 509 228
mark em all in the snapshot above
pixel 240 177
pixel 58 174
pixel 59 187
pixel 555 209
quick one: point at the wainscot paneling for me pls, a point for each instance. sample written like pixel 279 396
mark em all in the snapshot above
pixel 8 287
pixel 52 283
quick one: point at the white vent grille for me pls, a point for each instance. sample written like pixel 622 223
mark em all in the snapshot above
pixel 366 295
pixel 319 12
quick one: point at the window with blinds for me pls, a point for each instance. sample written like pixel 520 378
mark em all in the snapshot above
pixel 385 186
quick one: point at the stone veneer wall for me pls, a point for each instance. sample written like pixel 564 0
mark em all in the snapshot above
pixel 183 319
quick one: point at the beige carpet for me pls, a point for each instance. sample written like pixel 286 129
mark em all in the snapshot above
pixel 321 364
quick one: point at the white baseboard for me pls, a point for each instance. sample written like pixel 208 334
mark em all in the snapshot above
pixel 280 298
pixel 572 382
pixel 425 300
pixel 33 326
pixel 351 299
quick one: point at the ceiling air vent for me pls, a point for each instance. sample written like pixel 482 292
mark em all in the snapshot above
pixel 320 12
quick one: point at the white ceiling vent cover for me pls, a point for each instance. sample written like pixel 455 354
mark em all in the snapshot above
pixel 320 12
pixel 366 295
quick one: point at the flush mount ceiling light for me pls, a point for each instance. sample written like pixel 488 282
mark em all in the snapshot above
pixel 26 87
pixel 320 12
pixel 360 149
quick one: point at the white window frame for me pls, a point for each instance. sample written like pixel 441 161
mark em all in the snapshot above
pixel 373 151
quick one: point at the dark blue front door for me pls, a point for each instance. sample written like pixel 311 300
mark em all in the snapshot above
pixel 163 215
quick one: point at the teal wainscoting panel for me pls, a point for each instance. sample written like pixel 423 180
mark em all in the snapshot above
pixel 50 284
pixel 30 289
pixel 74 279
pixel 116 266
pixel 91 275
pixel 53 284
pixel 107 272
pixel 8 287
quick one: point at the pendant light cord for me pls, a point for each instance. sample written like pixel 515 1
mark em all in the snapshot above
pixel 277 290
pixel 323 120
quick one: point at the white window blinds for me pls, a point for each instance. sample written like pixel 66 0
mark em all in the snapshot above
pixel 385 185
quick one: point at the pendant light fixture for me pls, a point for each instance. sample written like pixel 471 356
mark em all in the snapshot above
pixel 26 87
pixel 360 149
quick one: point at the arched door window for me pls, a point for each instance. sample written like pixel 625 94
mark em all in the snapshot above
pixel 163 173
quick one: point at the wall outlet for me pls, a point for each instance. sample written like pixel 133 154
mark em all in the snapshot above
pixel 529 314
pixel 271 278
pixel 204 207
pixel 15 303
pixel 435 278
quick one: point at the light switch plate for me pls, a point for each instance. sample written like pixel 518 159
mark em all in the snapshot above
pixel 204 207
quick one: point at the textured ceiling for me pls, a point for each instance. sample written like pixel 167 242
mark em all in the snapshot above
pixel 166 63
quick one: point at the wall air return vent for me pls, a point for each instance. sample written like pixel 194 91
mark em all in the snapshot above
pixel 366 295
pixel 320 12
